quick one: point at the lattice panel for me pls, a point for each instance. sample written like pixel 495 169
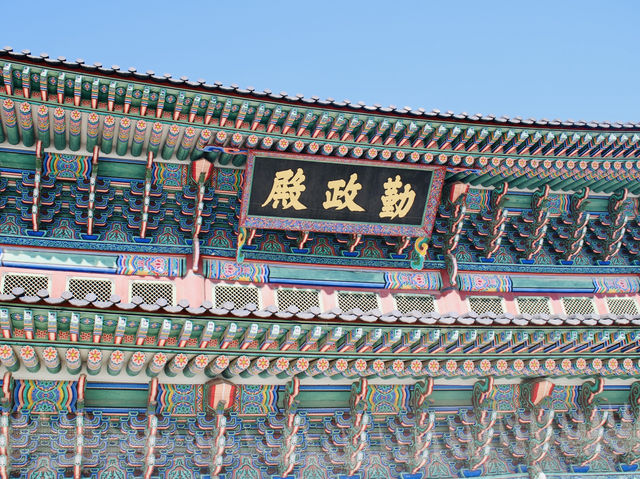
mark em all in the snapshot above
pixel 407 303
pixel 152 291
pixel 240 296
pixel 102 288
pixel 622 306
pixel 578 306
pixel 484 304
pixel 303 299
pixel 363 301
pixel 31 283
pixel 527 305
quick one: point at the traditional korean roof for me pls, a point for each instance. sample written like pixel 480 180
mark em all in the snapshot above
pixel 314 315
pixel 177 118
pixel 281 344
pixel 97 159
pixel 298 99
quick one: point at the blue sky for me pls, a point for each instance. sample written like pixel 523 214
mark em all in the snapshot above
pixel 543 59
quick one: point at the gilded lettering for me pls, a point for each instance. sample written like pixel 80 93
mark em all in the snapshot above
pixel 342 194
pixel 286 190
pixel 396 203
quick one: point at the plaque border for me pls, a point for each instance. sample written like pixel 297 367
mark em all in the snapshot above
pixel 319 226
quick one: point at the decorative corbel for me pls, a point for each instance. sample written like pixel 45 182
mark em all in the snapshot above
pixel 92 189
pixel 482 428
pixel 292 426
pixel 588 397
pixel 497 218
pixel 242 239
pixel 578 227
pixel 218 439
pixel 423 426
pixel 357 434
pixel 77 461
pixel 354 241
pixel 615 226
pixel 35 207
pixel 451 264
pixel 420 247
pixel 148 184
pixel 535 422
pixel 538 225
pixel 201 171
pixel 151 429
pixel 455 211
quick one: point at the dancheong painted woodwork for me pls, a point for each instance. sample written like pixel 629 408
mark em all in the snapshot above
pixel 206 281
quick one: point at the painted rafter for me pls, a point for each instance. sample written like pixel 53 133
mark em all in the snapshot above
pixel 97 91
pixel 203 334
pixel 518 173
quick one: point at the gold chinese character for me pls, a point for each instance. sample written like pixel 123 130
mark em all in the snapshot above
pixel 343 194
pixel 287 188
pixel 396 203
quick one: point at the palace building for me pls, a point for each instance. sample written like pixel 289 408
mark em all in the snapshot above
pixel 204 281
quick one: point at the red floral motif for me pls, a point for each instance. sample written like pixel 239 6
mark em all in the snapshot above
pixel 451 366
pixel 302 364
pixel 360 365
pixel 468 366
pixel 243 362
pixel 485 365
pixel 282 364
pixel 434 366
pixel 159 359
pixel 322 364
pixel 223 361
pixel 117 357
pixel 262 363
pixel 94 356
pixel 398 366
pixel 341 364
pixel 501 365
pixel 415 366
pixel 139 357
pixel 550 364
pixel 49 354
pixel 518 365
pixel 72 355
pixel 27 352
pixel 201 361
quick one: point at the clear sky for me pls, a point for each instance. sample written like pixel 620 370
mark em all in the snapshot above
pixel 543 59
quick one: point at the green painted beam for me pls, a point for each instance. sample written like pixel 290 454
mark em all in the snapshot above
pixel 125 398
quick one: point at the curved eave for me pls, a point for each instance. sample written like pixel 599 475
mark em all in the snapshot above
pixel 167 80
pixel 481 151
